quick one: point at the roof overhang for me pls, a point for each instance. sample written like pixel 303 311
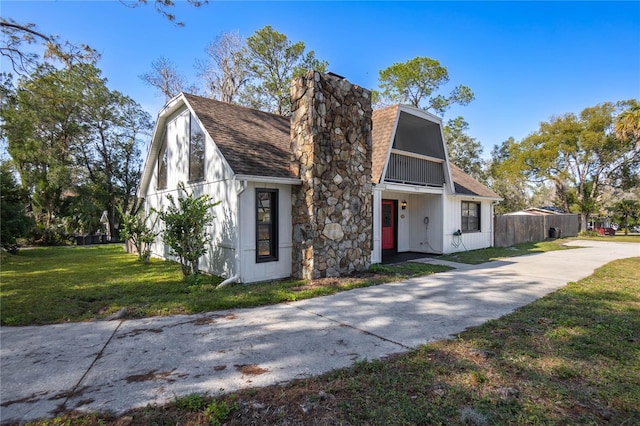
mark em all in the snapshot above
pixel 474 197
pixel 409 189
pixel 269 179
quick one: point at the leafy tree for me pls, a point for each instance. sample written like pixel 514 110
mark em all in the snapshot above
pixel 627 125
pixel 581 155
pixel 464 150
pixel 82 208
pixel 166 79
pixel 543 195
pixel 273 62
pixel 416 82
pixel 76 145
pixel 42 123
pixel 185 222
pixel 507 180
pixel 15 223
pixel 133 123
pixel 255 73
pixel 225 70
pixel 136 228
pixel 109 149
pixel 626 211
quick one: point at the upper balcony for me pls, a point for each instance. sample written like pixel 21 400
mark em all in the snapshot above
pixel 414 169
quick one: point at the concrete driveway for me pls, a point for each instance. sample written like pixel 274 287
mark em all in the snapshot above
pixel 118 365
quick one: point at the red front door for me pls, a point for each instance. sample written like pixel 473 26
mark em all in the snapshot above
pixel 388 225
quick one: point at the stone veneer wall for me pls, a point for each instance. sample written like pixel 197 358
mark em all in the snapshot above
pixel 331 144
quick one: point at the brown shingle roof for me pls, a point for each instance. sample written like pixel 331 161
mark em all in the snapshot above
pixel 467 185
pixel 258 143
pixel 384 121
pixel 253 142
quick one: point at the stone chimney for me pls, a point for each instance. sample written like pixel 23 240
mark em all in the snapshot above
pixel 331 144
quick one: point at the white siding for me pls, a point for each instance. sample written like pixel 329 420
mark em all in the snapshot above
pixel 221 257
pixel 445 218
pixel 376 252
pixel 251 271
pixel 413 233
pixel 453 220
pixel 425 235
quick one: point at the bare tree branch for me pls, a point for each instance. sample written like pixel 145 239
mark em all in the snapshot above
pixel 162 7
pixel 225 70
pixel 25 28
pixel 23 62
pixel 165 77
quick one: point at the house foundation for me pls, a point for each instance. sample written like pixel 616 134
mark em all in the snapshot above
pixel 331 145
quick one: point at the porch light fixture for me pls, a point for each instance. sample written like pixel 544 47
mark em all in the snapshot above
pixel 403 204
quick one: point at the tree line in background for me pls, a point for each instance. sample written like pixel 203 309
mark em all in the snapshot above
pixel 75 144
pixel 579 163
pixel 256 72
pixel 583 163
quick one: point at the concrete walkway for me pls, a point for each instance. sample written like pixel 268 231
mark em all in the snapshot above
pixel 118 365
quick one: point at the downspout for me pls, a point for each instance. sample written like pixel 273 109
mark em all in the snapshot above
pixel 236 277
pixel 228 281
pixel 492 222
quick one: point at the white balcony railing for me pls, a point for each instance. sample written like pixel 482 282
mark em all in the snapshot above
pixel 414 169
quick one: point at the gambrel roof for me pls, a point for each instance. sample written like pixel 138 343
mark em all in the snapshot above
pixel 383 126
pixel 257 143
pixel 253 142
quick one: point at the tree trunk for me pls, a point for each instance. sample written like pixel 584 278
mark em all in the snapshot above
pixel 185 267
pixel 584 220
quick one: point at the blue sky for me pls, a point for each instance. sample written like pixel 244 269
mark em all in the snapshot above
pixel 525 61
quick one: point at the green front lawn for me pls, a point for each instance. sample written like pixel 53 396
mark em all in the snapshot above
pixel 475 257
pixel 60 284
pixel 570 358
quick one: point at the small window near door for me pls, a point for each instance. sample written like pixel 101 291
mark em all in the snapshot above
pixel 387 215
pixel 470 217
pixel 266 225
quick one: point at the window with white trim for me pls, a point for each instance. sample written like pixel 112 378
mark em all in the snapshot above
pixel 470 217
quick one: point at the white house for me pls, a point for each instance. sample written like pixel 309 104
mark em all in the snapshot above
pixel 422 202
pixel 414 199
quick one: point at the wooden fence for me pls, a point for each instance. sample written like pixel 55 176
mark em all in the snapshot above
pixel 517 229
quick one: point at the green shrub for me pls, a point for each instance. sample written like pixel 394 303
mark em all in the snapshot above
pixel 52 235
pixel 192 402
pixel 218 412
pixel 185 224
pixel 14 223
pixel 136 229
